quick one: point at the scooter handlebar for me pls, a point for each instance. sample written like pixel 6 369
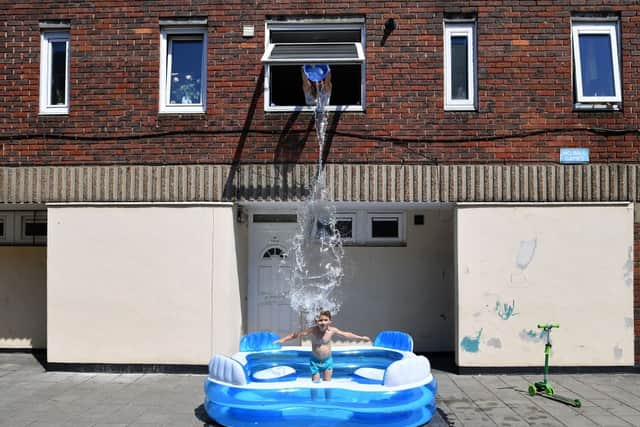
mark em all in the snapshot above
pixel 548 325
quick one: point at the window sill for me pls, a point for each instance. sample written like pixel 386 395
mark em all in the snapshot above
pixel 456 109
pixel 182 110
pixel 581 107
pixel 375 244
pixel 312 109
pixel 58 112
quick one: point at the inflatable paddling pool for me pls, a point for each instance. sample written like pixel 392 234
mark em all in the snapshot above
pixel 381 385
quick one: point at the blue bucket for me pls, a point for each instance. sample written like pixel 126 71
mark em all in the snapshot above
pixel 317 72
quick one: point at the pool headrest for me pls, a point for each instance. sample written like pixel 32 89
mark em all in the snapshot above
pixel 258 341
pixel 396 340
pixel 225 369
pixel 407 371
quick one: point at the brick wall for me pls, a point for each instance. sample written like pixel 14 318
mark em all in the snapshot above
pixel 525 87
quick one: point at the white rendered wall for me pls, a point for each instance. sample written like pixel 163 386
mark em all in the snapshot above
pixel 408 288
pixel 520 265
pixel 23 297
pixel 142 284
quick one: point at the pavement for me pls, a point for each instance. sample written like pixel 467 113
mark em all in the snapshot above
pixel 30 396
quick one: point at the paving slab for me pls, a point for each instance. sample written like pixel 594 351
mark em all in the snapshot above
pixel 30 396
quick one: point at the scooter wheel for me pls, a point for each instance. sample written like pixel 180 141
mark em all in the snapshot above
pixel 532 390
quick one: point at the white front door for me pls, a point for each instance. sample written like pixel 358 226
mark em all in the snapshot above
pixel 268 303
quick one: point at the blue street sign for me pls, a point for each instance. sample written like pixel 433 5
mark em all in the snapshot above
pixel 574 155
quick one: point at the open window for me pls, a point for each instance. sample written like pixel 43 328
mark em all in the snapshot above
pixel 290 45
pixel 596 59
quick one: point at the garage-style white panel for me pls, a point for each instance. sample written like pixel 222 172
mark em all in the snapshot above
pixel 520 265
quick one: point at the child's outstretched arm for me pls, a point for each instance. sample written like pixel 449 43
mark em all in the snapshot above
pixel 293 336
pixel 351 335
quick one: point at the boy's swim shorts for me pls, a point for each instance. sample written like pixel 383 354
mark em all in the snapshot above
pixel 317 365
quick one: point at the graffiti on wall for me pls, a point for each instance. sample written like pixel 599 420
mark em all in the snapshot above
pixel 470 344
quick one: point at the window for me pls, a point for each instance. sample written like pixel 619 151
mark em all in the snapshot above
pixel 54 72
pixel 5 226
pixel 386 227
pixel 266 218
pixel 33 227
pixel 459 66
pixel 596 62
pixel 18 228
pixel 183 62
pixel 292 44
pixel 344 225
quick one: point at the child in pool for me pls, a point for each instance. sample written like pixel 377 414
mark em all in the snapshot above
pixel 321 361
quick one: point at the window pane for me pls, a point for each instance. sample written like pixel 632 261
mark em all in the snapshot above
pixel 345 227
pixel 295 52
pixel 384 227
pixel 34 229
pixel 186 71
pixel 323 230
pixel 58 73
pixel 286 85
pixel 315 36
pixel 1 229
pixel 596 61
pixel 260 218
pixel 459 67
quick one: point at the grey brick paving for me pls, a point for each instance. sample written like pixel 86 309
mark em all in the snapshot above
pixel 31 397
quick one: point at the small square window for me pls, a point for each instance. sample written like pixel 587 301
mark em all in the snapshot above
pixel 459 66
pixel 345 225
pixel 596 62
pixel 386 227
pixel 54 73
pixel 291 45
pixel 183 53
pixel 32 227
pixel 6 227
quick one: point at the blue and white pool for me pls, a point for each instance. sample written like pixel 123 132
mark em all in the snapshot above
pixel 371 386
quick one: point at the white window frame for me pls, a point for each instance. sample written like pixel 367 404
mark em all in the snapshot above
pixel 468 30
pixel 46 39
pixel 361 58
pixel 21 219
pixel 6 218
pixel 352 218
pixel 165 70
pixel 388 216
pixel 609 28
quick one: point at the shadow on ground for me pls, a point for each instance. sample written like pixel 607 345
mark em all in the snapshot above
pixel 440 418
pixel 201 414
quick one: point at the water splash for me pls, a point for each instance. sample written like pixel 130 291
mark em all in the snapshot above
pixel 316 248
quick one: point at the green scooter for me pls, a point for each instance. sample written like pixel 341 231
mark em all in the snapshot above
pixel 543 388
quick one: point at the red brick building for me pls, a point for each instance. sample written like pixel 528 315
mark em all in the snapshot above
pixel 436 107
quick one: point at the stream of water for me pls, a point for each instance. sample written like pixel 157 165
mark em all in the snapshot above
pixel 316 249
